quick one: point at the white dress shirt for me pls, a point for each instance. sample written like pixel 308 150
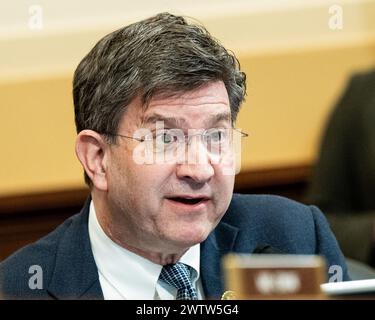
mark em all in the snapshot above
pixel 126 275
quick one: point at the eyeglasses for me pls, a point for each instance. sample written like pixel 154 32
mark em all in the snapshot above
pixel 167 140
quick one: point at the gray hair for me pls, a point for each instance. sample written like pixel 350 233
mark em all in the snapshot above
pixel 164 55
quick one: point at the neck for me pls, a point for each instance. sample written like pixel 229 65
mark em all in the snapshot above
pixel 113 230
pixel 155 257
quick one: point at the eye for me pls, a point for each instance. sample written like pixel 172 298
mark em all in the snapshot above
pixel 165 137
pixel 216 136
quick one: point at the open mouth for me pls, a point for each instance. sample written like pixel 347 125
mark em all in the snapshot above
pixel 190 201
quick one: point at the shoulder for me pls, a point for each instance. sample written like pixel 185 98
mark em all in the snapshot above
pixel 364 78
pixel 266 207
pixel 285 225
pixel 359 88
pixel 16 270
pixel 279 221
pixel 357 91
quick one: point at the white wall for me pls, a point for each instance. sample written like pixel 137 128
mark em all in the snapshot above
pixel 70 28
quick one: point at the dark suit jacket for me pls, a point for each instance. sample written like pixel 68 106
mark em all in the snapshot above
pixel 69 270
pixel 343 183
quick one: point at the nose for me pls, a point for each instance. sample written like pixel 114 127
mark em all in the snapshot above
pixel 197 166
pixel 199 173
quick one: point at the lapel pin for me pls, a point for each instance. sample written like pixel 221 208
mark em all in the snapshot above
pixel 228 295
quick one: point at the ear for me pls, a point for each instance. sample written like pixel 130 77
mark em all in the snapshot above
pixel 91 152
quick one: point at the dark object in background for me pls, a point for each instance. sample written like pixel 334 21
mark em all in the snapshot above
pixel 343 183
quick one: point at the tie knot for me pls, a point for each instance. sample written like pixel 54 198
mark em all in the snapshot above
pixel 179 276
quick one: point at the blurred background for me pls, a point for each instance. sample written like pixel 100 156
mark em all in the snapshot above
pixel 298 56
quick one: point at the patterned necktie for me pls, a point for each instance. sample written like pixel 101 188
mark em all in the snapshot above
pixel 178 276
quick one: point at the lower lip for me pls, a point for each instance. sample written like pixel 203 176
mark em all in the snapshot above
pixel 189 207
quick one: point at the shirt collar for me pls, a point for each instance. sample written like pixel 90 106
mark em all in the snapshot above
pixel 133 276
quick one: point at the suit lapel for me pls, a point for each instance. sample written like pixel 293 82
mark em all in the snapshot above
pixel 218 243
pixel 75 275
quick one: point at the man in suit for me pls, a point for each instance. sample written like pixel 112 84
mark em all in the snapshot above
pixel 155 104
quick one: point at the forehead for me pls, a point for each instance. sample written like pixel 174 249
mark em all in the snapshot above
pixel 204 104
pixel 196 108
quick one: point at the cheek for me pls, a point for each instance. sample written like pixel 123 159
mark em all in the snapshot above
pixel 225 176
pixel 152 177
pixel 141 180
pixel 224 189
pixel 229 165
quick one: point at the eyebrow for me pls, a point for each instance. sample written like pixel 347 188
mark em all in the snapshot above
pixel 178 122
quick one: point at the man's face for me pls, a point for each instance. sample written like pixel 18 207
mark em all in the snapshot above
pixel 164 207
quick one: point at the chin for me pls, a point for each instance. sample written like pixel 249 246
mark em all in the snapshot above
pixel 192 237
